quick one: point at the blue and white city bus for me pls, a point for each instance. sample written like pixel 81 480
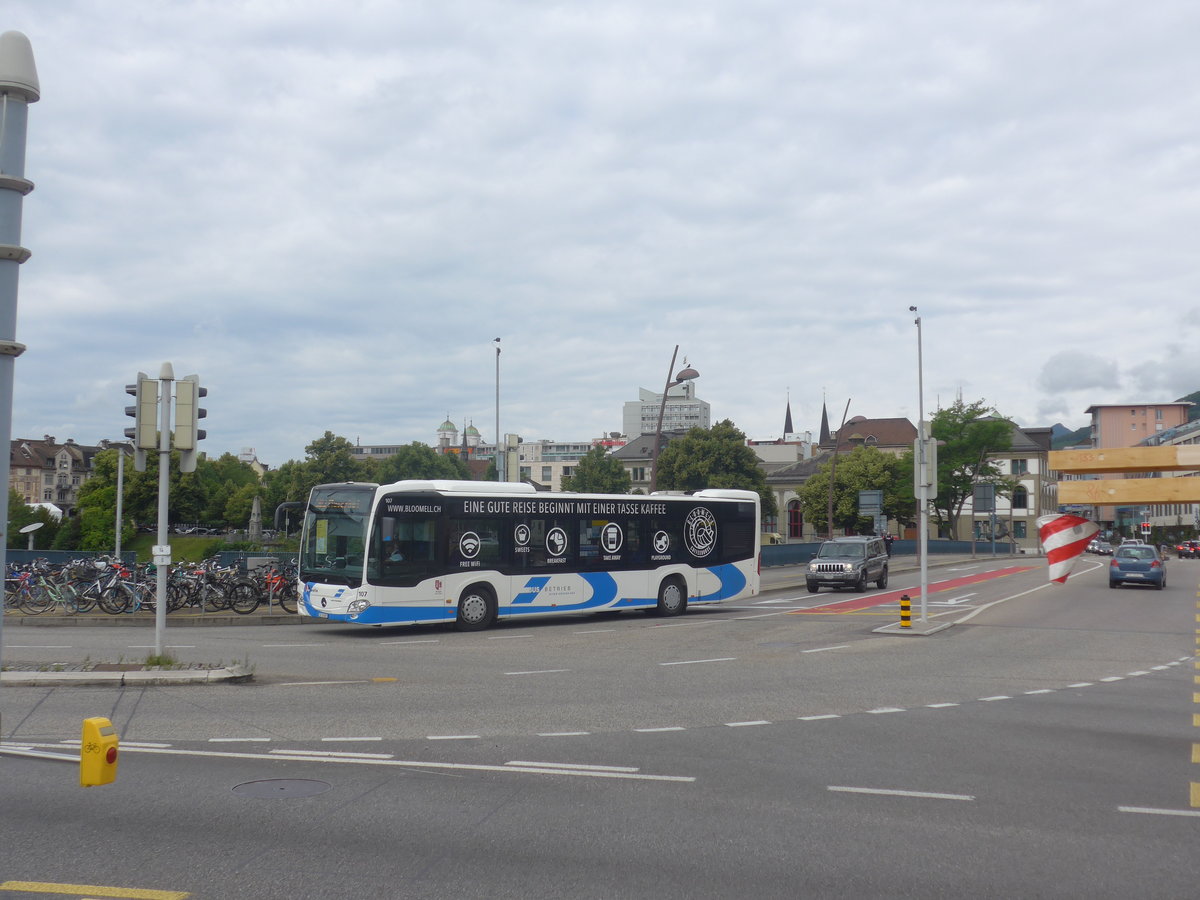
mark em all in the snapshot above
pixel 471 552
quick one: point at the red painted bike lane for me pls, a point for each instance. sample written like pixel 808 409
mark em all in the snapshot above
pixel 857 603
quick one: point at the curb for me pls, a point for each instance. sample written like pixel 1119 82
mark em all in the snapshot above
pixel 227 674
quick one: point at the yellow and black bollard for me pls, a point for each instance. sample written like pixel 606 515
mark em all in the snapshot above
pixel 905 611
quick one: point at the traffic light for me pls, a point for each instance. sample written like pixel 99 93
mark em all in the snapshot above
pixel 144 412
pixel 188 413
pixel 98 752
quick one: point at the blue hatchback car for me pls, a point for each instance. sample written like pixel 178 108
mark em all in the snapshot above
pixel 1137 564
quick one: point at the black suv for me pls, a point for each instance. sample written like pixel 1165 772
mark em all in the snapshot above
pixel 1188 549
pixel 848 562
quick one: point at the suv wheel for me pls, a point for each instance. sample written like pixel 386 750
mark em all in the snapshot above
pixel 882 582
pixel 813 587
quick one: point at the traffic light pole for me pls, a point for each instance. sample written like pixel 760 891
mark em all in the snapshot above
pixel 166 376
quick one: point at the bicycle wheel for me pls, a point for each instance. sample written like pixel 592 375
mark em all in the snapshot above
pixel 286 597
pixel 244 598
pixel 115 600
pixel 82 600
pixel 36 600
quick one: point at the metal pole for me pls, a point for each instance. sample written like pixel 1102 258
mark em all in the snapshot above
pixel 18 88
pixel 120 497
pixel 923 490
pixel 499 458
pixel 166 376
pixel 662 408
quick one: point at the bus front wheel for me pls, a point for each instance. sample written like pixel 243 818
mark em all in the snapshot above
pixel 476 608
pixel 672 598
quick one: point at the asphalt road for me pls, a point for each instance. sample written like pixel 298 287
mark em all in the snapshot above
pixel 780 748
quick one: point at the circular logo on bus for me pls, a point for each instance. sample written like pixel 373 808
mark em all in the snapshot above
pixel 521 535
pixel 468 545
pixel 611 537
pixel 662 542
pixel 700 532
pixel 556 542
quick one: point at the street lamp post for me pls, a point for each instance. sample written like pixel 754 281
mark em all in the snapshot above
pixel 922 463
pixel 687 373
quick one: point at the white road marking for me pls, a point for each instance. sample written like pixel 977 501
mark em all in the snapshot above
pixel 293 645
pixel 823 649
pixel 538 672
pixel 336 754
pixel 1135 674
pixel 508 637
pixel 656 730
pixel 1158 812
pixel 1113 678
pixel 409 764
pixel 743 724
pixel 451 737
pixel 139 745
pixel 239 740
pixel 167 647
pixel 997 697
pixel 334 740
pixel 1080 684
pixel 1042 691
pixel 38 646
pixel 563 733
pixel 398 643
pixel 683 625
pixel 939 705
pixel 761 616
pixel 885 709
pixel 952 601
pixel 577 766
pixel 596 631
pixel 689 662
pixel 815 718
pixel 925 795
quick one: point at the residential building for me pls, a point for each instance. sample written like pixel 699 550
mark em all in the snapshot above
pixel 45 471
pixel 1127 425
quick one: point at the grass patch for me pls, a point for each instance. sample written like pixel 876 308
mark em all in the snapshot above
pixel 161 661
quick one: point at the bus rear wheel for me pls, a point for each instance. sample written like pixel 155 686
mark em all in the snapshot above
pixel 476 608
pixel 672 598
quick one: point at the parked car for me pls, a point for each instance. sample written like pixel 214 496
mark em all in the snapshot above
pixel 1188 550
pixel 848 562
pixel 1104 548
pixel 1137 564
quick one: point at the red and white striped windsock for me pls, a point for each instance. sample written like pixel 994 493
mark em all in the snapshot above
pixel 1065 537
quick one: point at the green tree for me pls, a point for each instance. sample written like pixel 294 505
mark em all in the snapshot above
pixel 328 460
pixel 863 469
pixel 420 461
pixel 715 457
pixel 966 434
pixel 598 472
pixel 21 514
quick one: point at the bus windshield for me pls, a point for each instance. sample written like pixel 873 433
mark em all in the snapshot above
pixel 334 537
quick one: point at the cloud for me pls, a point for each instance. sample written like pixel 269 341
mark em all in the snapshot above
pixel 330 217
pixel 1075 370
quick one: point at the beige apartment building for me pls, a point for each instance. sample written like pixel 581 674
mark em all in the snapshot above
pixel 1127 425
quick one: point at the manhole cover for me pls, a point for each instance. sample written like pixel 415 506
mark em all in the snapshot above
pixel 281 788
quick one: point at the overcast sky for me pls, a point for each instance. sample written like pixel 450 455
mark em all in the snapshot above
pixel 329 210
